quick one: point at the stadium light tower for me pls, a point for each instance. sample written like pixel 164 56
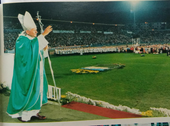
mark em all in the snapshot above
pixel 133 3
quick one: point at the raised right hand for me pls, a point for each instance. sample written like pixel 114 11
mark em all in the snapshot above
pixel 47 30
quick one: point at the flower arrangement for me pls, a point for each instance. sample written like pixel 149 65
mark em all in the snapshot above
pixel 78 71
pixel 82 99
pixel 64 100
pixel 94 57
pixel 165 111
pixel 153 112
pixel 4 89
pixel 63 96
pixel 147 113
pixel 78 98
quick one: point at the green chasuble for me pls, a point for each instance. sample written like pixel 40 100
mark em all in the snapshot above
pixel 25 89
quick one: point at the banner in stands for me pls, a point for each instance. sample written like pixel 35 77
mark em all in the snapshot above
pixel 85 31
pixel 63 31
pixel 129 32
pixel 99 31
pixel 108 32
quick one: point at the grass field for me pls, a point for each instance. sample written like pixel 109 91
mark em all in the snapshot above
pixel 144 82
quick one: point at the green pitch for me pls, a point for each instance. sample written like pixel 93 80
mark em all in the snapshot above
pixel 144 82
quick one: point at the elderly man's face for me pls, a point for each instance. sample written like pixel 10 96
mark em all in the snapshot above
pixel 33 32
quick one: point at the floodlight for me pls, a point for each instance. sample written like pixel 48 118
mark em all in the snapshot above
pixel 134 2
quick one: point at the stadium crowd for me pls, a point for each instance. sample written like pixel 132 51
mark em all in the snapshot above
pixel 96 37
pixel 92 39
pixel 140 49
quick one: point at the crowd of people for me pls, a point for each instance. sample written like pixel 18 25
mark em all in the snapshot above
pixel 140 49
pixel 154 36
pixel 9 40
pixel 90 39
pixel 95 38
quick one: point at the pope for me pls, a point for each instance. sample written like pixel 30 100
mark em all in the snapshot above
pixel 29 83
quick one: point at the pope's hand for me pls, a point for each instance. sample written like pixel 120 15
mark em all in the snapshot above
pixel 47 30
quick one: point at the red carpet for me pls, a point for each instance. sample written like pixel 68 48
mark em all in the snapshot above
pixel 110 113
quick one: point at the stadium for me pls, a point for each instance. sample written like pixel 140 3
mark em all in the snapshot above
pixel 126 43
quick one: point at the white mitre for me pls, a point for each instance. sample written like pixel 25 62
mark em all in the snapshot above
pixel 26 21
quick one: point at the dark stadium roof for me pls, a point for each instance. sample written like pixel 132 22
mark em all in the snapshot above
pixel 119 12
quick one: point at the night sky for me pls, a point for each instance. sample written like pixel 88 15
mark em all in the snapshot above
pixel 119 12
